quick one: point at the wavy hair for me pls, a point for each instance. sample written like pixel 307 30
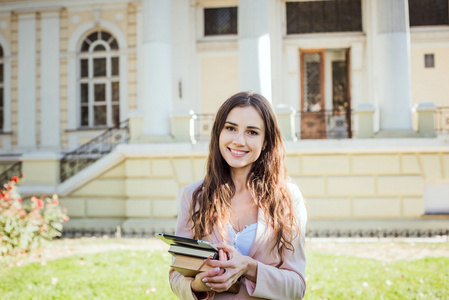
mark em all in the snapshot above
pixel 266 181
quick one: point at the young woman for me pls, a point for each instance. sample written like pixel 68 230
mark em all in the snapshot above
pixel 248 206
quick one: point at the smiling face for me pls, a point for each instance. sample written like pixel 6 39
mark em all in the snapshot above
pixel 242 138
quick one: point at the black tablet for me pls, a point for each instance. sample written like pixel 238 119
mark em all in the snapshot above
pixel 179 240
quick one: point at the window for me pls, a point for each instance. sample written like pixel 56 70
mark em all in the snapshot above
pixel 429 61
pixel 324 16
pixel 428 12
pixel 99 81
pixel 220 21
pixel 1 89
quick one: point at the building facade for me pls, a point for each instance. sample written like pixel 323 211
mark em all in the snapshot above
pixel 359 87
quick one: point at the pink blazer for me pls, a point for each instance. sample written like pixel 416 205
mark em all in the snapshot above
pixel 285 282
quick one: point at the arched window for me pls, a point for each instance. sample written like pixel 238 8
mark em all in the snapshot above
pixel 1 89
pixel 99 81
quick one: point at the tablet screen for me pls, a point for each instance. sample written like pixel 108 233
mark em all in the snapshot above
pixel 173 239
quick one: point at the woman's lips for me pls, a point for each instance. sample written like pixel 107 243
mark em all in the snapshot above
pixel 237 153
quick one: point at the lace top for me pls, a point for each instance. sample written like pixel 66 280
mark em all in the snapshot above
pixel 242 240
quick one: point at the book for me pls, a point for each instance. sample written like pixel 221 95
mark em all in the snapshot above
pixel 192 251
pixel 191 255
pixel 189 266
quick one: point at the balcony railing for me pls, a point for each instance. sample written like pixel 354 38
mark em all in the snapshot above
pixel 329 124
pixel 442 119
pixel 324 124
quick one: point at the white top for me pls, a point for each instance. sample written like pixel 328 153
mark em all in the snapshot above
pixel 242 240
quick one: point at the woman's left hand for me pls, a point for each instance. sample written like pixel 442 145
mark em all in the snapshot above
pixel 237 265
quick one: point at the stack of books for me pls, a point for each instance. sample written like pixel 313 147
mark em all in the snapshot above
pixel 190 256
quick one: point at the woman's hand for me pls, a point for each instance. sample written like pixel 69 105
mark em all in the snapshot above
pixel 237 265
pixel 198 285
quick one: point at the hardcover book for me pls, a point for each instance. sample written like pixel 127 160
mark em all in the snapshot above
pixel 190 256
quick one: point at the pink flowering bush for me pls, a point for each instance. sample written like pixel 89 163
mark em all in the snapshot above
pixel 27 226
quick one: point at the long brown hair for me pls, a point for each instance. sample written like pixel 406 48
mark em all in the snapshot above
pixel 266 180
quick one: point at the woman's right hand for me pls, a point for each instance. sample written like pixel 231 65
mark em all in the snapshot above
pixel 198 285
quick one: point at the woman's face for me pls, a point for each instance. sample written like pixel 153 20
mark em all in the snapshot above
pixel 242 138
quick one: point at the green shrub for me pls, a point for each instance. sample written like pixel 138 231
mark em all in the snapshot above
pixel 27 226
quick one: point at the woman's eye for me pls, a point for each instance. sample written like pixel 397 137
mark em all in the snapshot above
pixel 252 132
pixel 230 128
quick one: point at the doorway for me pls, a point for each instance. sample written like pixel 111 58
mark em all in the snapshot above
pixel 325 94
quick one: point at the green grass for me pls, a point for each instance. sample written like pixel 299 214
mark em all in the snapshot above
pixel 127 274
pixel 109 275
pixel 344 277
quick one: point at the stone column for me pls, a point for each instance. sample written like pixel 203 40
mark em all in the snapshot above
pixel 50 112
pixel 392 57
pixel 155 96
pixel 254 47
pixel 26 82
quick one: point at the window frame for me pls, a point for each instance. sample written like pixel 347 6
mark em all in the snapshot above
pixel 90 55
pixel 201 6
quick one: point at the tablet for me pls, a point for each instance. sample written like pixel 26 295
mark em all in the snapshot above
pixel 179 240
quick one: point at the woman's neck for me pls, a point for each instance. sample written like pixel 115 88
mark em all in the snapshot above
pixel 239 177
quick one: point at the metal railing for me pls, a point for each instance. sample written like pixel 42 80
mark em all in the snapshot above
pixel 442 119
pixel 14 170
pixel 324 124
pixel 354 233
pixel 87 154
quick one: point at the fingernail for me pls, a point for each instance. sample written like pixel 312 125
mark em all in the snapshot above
pixel 217 269
pixel 208 284
pixel 204 280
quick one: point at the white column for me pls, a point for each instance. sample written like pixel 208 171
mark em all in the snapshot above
pixel 254 47
pixel 50 112
pixel 392 56
pixel 26 77
pixel 156 73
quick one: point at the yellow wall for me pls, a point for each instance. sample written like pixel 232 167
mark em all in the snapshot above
pixel 219 80
pixel 335 186
pixel 430 84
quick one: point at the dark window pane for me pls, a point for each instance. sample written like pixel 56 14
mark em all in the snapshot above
pixel 100 115
pixel 84 68
pixel 116 114
pixel 429 61
pixel 1 98
pixel 114 45
pixel 84 116
pixel 93 36
pixel 312 81
pixel 339 85
pixel 85 46
pixel 428 12
pixel 1 118
pixel 115 91
pixel 115 67
pixel 324 16
pixel 99 48
pixel 105 36
pixel 84 93
pixel 1 51
pixel 99 92
pixel 1 72
pixel 221 20
pixel 99 67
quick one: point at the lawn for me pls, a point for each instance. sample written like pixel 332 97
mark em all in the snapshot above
pixel 137 269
